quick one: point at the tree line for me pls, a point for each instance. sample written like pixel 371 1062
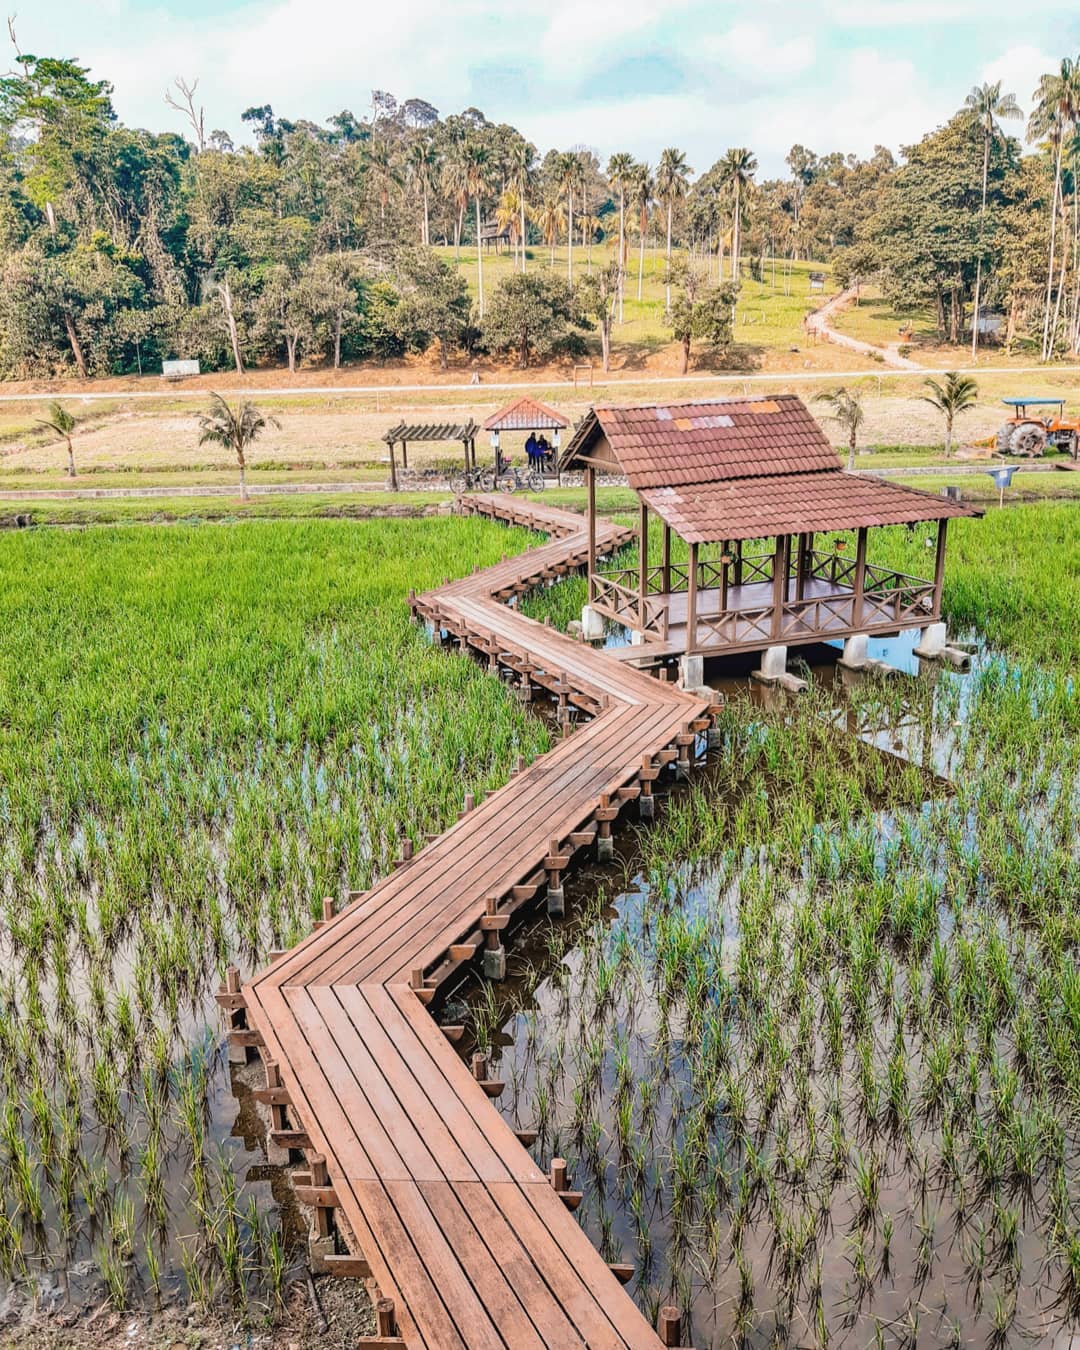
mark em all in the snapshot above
pixel 121 247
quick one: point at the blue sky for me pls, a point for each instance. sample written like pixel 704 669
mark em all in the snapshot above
pixel 613 74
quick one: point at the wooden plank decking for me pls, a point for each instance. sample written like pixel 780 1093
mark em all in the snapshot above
pixel 455 1221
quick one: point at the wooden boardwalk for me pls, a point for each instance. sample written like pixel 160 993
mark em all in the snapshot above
pixel 468 1242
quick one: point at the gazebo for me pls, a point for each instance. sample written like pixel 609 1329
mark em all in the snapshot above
pixel 525 414
pixel 724 475
pixel 401 433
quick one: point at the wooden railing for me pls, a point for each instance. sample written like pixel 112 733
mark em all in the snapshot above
pixel 755 567
pixel 622 605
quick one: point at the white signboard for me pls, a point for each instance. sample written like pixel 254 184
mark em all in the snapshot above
pixel 178 370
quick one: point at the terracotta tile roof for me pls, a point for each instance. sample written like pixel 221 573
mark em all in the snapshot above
pixel 664 445
pixel 526 414
pixel 793 503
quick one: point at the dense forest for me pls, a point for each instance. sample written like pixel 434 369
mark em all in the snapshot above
pixel 120 247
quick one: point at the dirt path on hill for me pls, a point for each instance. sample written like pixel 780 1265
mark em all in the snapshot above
pixel 818 324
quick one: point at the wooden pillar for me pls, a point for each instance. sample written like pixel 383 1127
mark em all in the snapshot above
pixel 738 562
pixel 860 575
pixel 939 565
pixel 393 469
pixel 643 560
pixel 801 563
pixel 691 601
pixel 724 553
pixel 781 557
pixel 404 454
pixel 666 560
pixel 590 484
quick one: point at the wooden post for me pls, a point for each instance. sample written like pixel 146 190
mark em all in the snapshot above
pixel 779 581
pixel 860 576
pixel 691 601
pixel 723 577
pixel 800 566
pixel 939 565
pixel 643 560
pixel 667 558
pixel 404 454
pixel 385 1321
pixel 590 483
pixel 670 1326
pixel 393 469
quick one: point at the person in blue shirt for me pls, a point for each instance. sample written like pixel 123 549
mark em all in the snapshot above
pixel 532 449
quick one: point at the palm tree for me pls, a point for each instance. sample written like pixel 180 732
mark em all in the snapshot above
pixel 847 412
pixel 952 396
pixel 522 159
pixel 550 220
pixel 63 423
pixel 422 163
pixel 737 168
pixel 568 173
pixel 476 181
pixel 672 173
pixel 455 184
pixel 641 195
pixel 1057 107
pixel 380 162
pixel 619 170
pixel 234 429
pixel 987 104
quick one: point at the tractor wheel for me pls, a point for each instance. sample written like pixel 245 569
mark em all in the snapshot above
pixel 1029 438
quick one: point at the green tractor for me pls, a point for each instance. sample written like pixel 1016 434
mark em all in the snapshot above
pixel 1028 433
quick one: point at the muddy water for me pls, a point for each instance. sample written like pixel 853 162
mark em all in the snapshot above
pixel 757 1224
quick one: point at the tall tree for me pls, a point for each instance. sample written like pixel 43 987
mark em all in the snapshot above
pixel 642 188
pixel 619 170
pixel 477 180
pixel 422 166
pixel 672 175
pixel 597 295
pixel 1057 107
pixel 987 104
pixel 569 175
pixel 738 167
pixel 522 160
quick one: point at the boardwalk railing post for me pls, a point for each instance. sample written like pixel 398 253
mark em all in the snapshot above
pixel 556 901
pixel 494 951
pixel 605 844
pixel 670 1326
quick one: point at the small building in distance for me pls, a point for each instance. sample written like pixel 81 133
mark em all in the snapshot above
pixel 755 491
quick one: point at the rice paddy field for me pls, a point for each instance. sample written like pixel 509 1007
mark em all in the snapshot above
pixel 811 1046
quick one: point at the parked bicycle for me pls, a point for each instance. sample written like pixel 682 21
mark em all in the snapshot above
pixel 511 479
pixel 472 480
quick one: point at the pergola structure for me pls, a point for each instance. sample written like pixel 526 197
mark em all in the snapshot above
pixel 723 474
pixel 404 432
pixel 525 414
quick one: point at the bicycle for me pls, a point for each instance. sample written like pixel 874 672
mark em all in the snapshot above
pixel 512 478
pixel 472 480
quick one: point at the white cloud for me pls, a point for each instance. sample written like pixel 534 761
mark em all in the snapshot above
pixel 1019 70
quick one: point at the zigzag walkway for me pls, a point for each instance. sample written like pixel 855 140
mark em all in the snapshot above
pixel 440 1204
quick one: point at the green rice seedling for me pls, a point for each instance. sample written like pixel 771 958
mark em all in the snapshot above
pixel 114 1274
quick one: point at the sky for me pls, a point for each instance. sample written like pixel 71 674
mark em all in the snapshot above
pixel 633 75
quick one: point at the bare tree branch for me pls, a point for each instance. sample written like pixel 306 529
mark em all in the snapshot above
pixel 184 102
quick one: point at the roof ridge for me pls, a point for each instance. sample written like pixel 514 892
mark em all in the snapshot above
pixel 687 402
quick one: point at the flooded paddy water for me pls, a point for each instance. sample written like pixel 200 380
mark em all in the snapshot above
pixel 812 1045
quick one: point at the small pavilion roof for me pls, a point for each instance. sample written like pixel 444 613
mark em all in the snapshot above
pixel 793 503
pixel 742 469
pixel 526 414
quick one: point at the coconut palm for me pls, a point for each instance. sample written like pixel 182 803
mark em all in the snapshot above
pixel 63 423
pixel 522 160
pixel 737 168
pixel 422 166
pixel 672 173
pixel 1057 108
pixel 619 170
pixel 641 187
pixel 477 176
pixel 234 429
pixel 986 104
pixel 549 219
pixel 381 163
pixel 953 395
pixel 847 412
pixel 456 186
pixel 568 175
